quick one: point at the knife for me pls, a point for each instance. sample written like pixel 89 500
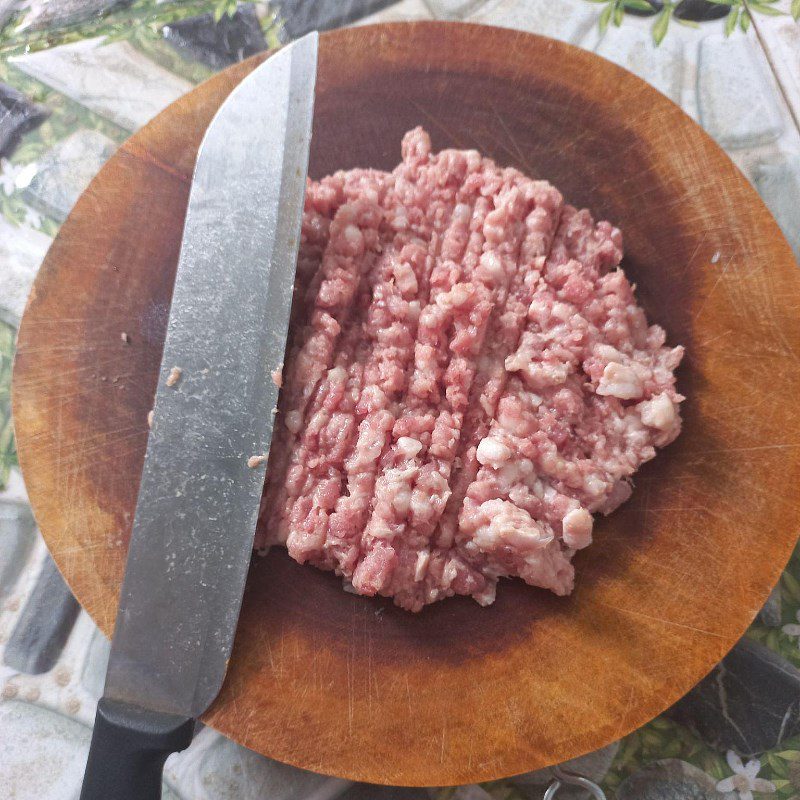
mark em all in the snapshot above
pixel 198 499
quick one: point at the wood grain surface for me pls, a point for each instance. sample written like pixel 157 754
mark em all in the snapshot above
pixel 355 687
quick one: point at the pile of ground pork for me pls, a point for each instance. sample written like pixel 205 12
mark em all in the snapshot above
pixel 469 380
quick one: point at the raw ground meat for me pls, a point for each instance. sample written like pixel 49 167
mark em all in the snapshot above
pixel 469 379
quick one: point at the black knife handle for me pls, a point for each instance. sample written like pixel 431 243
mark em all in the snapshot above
pixel 129 747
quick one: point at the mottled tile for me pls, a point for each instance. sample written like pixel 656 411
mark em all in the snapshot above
pixel 473 792
pixel 670 779
pixel 593 765
pixel 655 7
pixel 299 16
pixel 568 20
pixel 65 171
pixel 454 9
pixel 749 703
pixel 632 47
pixel 17 535
pixel 736 92
pixel 115 80
pixel 404 11
pixel 55 14
pixel 770 613
pixel 371 791
pixel 44 753
pixel 93 675
pixel 18 115
pixel 214 768
pixel 15 490
pixel 781 39
pixel 7 8
pixel 21 252
pixel 218 43
pixel 44 624
pixel 778 183
pixel 700 10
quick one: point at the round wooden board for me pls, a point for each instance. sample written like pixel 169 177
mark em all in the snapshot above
pixel 355 687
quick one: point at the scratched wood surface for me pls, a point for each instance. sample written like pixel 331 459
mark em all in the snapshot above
pixel 352 686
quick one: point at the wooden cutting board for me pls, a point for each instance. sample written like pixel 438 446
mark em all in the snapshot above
pixel 355 687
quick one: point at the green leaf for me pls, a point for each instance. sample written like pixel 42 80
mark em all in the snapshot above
pixel 688 23
pixel 661 25
pixel 619 13
pixel 768 11
pixel 730 21
pixel 7 450
pixel 744 20
pixel 224 7
pixel 661 724
pixel 652 740
pixel 637 5
pixel 724 2
pixel 796 10
pixel 776 765
pixel 791 586
pixel 605 17
pixel 671 749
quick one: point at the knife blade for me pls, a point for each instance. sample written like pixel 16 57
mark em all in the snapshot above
pixel 198 498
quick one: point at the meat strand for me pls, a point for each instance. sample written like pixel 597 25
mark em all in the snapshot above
pixel 469 380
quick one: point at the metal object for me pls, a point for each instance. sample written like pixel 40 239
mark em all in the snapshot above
pixel 199 495
pixel 563 778
pixel 198 501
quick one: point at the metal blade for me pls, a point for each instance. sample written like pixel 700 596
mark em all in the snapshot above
pixel 198 500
